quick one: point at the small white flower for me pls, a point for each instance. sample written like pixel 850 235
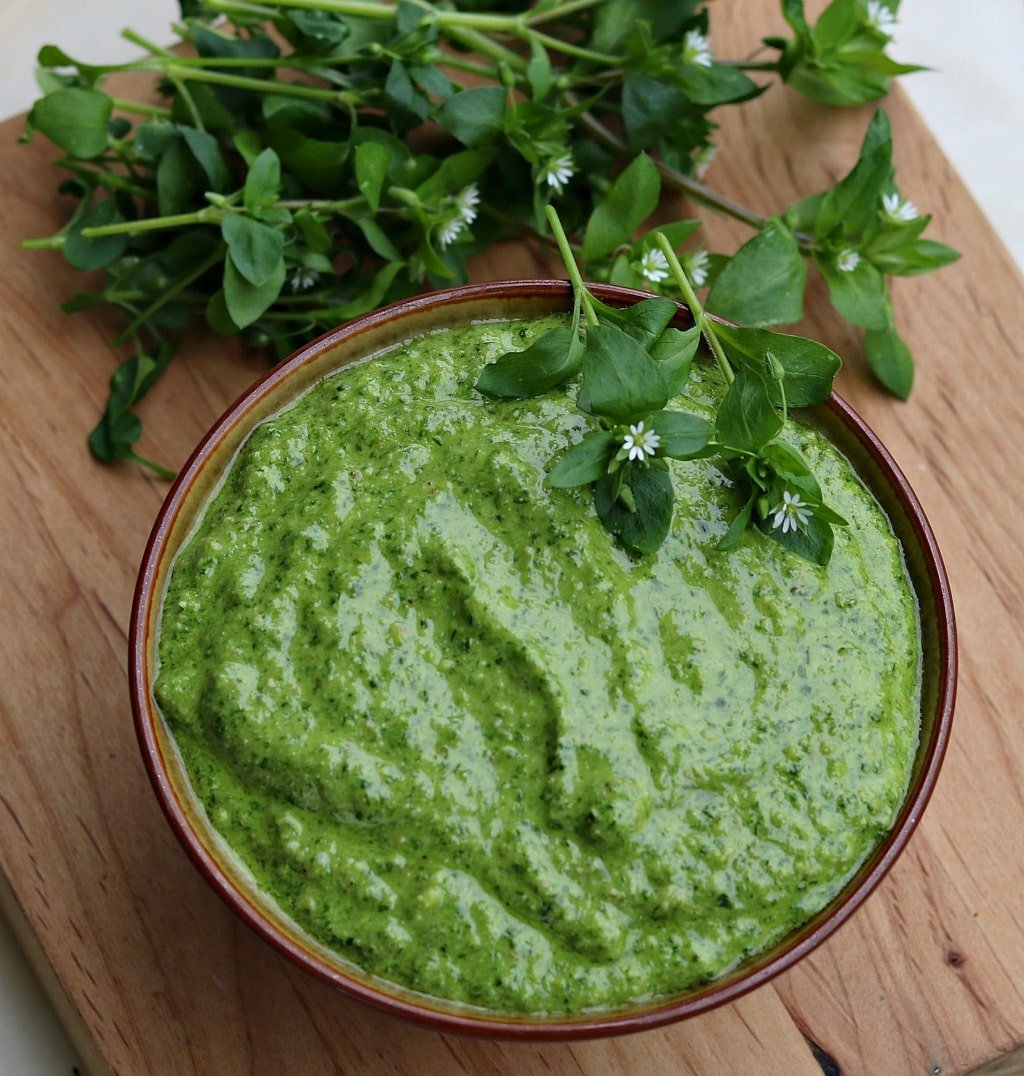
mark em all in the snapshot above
pixel 466 202
pixel 559 171
pixel 654 266
pixel 640 444
pixel 450 231
pixel 696 49
pixel 696 266
pixel 881 17
pixel 792 514
pixel 847 260
pixel 304 279
pixel 899 210
pixel 702 161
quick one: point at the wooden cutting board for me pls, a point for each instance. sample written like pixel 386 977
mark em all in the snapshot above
pixel 152 974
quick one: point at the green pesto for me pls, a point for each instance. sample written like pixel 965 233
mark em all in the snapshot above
pixel 472 746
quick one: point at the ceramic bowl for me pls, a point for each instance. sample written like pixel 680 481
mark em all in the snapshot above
pixel 365 336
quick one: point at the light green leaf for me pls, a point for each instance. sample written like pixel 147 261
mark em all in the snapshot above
pixel 245 301
pixel 255 249
pixel 630 201
pixel 74 119
pixel 763 283
pixel 371 167
pixel 263 182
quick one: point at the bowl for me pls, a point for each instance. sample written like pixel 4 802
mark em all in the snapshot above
pixel 369 334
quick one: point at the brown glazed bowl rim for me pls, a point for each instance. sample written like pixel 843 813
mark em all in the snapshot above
pixel 438 1013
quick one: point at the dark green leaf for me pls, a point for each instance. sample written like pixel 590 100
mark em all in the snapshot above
pixel 377 239
pixel 740 523
pixel 646 527
pixel 585 462
pixel 644 321
pixel 674 352
pixel 715 85
pixel 246 301
pixel 206 151
pixel 315 162
pixel 474 116
pixel 623 381
pixel 263 181
pixel 74 119
pixel 810 367
pixel 630 201
pixel 763 283
pixel 853 202
pixel 454 173
pixel 747 419
pixel 411 105
pixel 813 542
pixel 891 361
pixel 683 436
pixel 371 168
pixel 314 232
pixel 179 179
pixel 152 139
pixel 255 249
pixel 95 253
pixel 550 361
pixel 649 108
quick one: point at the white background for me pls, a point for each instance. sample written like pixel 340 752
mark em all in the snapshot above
pixel 974 102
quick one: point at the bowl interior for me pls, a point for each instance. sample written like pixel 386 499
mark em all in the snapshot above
pixel 199 479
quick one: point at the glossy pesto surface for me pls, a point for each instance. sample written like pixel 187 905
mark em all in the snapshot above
pixel 470 745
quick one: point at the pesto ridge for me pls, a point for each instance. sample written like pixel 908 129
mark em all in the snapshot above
pixel 471 745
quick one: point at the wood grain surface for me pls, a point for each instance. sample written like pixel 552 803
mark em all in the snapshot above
pixel 153 973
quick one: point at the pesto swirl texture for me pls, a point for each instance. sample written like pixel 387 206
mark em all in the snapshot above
pixel 473 747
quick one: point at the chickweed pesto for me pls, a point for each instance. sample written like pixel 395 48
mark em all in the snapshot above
pixel 471 745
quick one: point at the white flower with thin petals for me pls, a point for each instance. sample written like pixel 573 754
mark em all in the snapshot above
pixel 559 171
pixel 654 266
pixel 466 202
pixel 639 443
pixel 847 260
pixel 881 17
pixel 304 279
pixel 792 514
pixel 702 161
pixel 697 49
pixel 899 210
pixel 450 231
pixel 696 266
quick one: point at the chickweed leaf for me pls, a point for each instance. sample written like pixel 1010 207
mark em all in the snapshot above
pixel 644 526
pixel 630 201
pixel 747 419
pixel 585 462
pixel 550 361
pixel 890 360
pixel 763 282
pixel 622 378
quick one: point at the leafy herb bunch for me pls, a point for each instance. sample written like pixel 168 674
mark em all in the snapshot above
pixel 632 363
pixel 315 159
